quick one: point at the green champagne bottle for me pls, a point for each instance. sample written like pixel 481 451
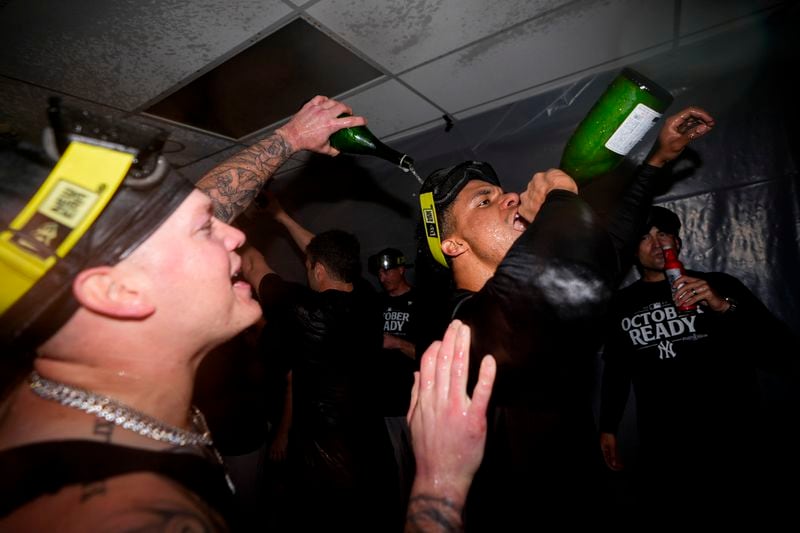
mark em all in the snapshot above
pixel 623 114
pixel 359 140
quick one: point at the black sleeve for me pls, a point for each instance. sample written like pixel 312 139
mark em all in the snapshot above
pixel 432 320
pixel 536 314
pixel 616 381
pixel 767 339
pixel 565 232
pixel 617 372
pixel 275 295
pixel 615 388
pixel 629 217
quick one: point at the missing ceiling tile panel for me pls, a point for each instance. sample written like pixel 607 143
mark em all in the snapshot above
pixel 266 82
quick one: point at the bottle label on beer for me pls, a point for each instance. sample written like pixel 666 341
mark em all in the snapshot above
pixel 672 274
pixel 632 129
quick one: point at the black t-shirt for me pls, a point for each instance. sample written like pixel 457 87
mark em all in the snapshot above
pixel 329 340
pixel 339 452
pixel 41 468
pixel 694 374
pixel 399 314
pixel 400 318
pixel 540 316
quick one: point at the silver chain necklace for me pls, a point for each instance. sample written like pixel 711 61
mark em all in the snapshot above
pixel 122 415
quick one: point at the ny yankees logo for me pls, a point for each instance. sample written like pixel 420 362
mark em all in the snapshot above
pixel 665 350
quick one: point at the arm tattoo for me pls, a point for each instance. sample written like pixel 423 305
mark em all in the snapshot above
pixel 431 513
pixel 233 184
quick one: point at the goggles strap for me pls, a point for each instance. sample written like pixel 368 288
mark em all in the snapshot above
pixel 432 231
pixel 77 190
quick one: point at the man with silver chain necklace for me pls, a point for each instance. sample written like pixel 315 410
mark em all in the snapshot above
pixel 103 263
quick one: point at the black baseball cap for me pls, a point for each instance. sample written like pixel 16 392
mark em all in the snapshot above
pixel 147 195
pixel 439 190
pixel 446 183
pixel 663 219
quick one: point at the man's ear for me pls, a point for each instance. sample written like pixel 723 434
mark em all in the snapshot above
pixel 100 290
pixel 454 247
pixel 319 271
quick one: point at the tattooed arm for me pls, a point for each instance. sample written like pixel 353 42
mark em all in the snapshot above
pixel 448 431
pixel 133 502
pixel 233 184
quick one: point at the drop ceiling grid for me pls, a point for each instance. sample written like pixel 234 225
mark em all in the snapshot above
pixel 400 35
pixel 534 54
pixel 123 53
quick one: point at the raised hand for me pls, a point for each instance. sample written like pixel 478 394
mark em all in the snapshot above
pixel 310 128
pixel 539 186
pixel 448 430
pixel 679 130
pixel 233 184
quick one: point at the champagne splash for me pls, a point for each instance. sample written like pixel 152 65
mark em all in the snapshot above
pixel 411 169
pixel 407 165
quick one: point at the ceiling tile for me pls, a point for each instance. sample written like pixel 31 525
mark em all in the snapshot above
pixel 399 34
pixel 534 53
pixel 267 82
pixel 564 83
pixel 23 107
pixel 392 107
pixel 185 146
pixel 124 53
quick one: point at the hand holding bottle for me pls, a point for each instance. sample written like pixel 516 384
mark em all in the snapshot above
pixel 311 127
pixel 539 187
pixel 690 291
pixel 679 130
pixel 675 271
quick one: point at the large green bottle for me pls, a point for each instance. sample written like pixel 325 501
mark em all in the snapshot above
pixel 623 114
pixel 359 140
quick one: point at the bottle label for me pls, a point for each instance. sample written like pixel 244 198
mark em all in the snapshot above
pixel 672 274
pixel 632 129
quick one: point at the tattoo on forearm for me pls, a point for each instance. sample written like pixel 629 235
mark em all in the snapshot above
pixel 104 429
pixel 431 513
pixel 233 184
